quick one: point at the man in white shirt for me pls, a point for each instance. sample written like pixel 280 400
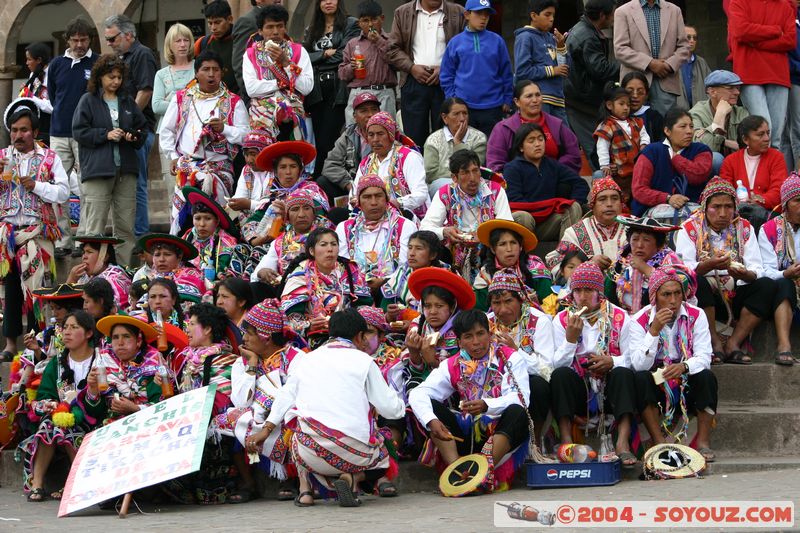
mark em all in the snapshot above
pixel 492 389
pixel 201 131
pixel 329 398
pixel 277 74
pixel 591 361
pixel 458 208
pixel 377 237
pixel 723 249
pixel 33 184
pixel 670 348
pixel 779 241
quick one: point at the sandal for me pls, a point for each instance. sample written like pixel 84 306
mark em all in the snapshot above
pixel 242 496
pixel 345 492
pixel 717 357
pixel 37 495
pixel 627 459
pixel 784 359
pixel 387 489
pixel 56 495
pixel 708 454
pixel 286 490
pixel 7 357
pixel 738 357
pixel 299 497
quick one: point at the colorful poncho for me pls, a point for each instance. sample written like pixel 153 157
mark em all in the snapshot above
pixel 201 366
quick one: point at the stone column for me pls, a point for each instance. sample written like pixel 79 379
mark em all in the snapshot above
pixel 7 73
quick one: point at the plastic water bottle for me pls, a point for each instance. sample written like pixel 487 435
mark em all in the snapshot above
pixel 741 192
pixel 576 453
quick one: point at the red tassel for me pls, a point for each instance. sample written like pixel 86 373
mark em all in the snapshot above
pixel 393 470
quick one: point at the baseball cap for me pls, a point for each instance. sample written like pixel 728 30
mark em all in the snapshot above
pixel 364 98
pixel 479 5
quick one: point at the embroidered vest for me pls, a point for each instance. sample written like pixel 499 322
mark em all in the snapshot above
pixel 31 204
pixel 617 321
pixel 693 313
pixel 227 107
pixel 488 213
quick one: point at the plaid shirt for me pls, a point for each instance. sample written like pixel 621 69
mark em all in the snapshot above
pixel 652 15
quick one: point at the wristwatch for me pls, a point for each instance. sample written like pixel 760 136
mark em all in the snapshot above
pixel 686 366
pixel 251 369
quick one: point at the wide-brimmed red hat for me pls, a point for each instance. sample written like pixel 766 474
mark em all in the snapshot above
pixel 267 156
pixel 147 242
pixel 440 277
pixel 176 337
pixel 194 195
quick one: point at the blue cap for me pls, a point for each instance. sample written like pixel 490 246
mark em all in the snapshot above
pixel 479 5
pixel 722 77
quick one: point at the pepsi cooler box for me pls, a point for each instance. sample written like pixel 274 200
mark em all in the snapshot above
pixel 554 475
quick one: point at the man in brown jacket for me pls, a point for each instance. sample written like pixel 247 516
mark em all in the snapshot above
pixel 649 36
pixel 420 32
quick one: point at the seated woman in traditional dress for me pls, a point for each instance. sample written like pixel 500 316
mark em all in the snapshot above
pixel 206 329
pixel 303 216
pixel 401 167
pixel 100 260
pixel 235 297
pixel 507 246
pixel 424 249
pixel 319 282
pixel 376 238
pixel 209 235
pixel 61 422
pixel 591 362
pixel 262 369
pixel 517 324
pixel 490 383
pixel 673 335
pixel 130 364
pixel 341 447
pixel 646 250
pixel 171 256
pixel 286 162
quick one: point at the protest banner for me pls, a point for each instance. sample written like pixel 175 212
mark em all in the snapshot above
pixel 156 444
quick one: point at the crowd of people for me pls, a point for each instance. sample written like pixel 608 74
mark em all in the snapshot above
pixel 354 224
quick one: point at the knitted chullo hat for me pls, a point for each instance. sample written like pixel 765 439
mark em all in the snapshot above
pixel 587 276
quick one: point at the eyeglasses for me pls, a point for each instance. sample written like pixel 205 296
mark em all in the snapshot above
pixel 114 38
pixel 691 37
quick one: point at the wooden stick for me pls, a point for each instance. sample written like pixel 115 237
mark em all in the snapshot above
pixel 126 503
pixel 457 439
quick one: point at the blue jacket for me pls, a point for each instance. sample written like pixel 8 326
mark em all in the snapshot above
pixel 536 55
pixel 476 68
pixel 526 183
pixel 794 57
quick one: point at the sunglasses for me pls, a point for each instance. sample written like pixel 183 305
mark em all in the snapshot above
pixel 114 38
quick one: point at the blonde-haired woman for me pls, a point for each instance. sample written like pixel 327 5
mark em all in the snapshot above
pixel 179 52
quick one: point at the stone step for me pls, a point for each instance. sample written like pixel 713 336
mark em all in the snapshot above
pixel 747 429
pixel 759 383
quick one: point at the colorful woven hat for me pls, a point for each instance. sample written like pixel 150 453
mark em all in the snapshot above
pixel 176 337
pixel 439 277
pixel 267 318
pixel 716 186
pixel 587 276
pixel 257 139
pixel 385 120
pixel 370 180
pixel 645 224
pixel 299 197
pixel 603 184
pixel 267 156
pixel 790 189
pixel 107 323
pixel 194 196
pixel 529 240
pixel 658 278
pixel 375 317
pixel 504 280
pixel 150 241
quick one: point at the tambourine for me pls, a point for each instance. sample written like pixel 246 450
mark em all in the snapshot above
pixel 672 461
pixel 463 476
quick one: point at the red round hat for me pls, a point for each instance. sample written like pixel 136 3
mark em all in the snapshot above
pixel 176 336
pixel 440 277
pixel 305 150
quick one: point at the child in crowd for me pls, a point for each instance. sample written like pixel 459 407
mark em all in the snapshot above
pixel 476 68
pixel 208 234
pixel 541 56
pixel 250 187
pixel 372 72
pixel 620 138
pixel 561 274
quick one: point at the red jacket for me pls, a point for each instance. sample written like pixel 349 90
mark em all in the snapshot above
pixel 760 34
pixel 769 176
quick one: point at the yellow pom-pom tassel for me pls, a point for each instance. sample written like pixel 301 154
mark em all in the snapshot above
pixel 31 394
pixel 64 420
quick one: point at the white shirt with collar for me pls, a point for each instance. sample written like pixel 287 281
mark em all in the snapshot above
pixel 376 240
pixel 769 258
pixel 687 251
pixel 428 45
pixel 566 352
pixel 436 218
pixel 76 60
pixel 671 151
pixel 263 87
pixel 52 193
pixel 542 341
pixel 414 173
pixel 643 345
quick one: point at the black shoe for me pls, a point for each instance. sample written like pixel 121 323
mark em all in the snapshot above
pixel 77 252
pixel 61 253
